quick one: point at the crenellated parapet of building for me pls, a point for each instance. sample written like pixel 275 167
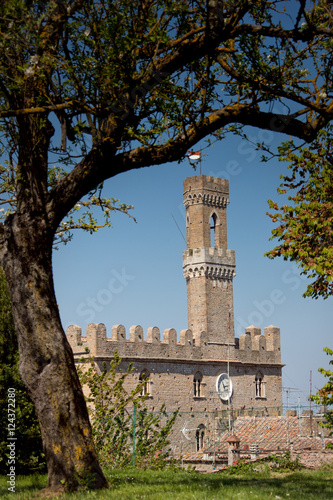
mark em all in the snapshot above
pixel 214 263
pixel 253 340
pixel 208 190
pixel 250 348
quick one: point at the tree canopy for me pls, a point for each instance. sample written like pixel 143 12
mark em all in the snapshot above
pixel 324 396
pixel 93 88
pixel 306 225
pixel 122 84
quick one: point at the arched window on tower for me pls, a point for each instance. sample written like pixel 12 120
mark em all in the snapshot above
pixel 144 377
pixel 259 385
pixel 213 220
pixel 197 385
pixel 200 437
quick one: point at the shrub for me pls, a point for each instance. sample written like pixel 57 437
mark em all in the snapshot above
pixel 118 415
pixel 263 466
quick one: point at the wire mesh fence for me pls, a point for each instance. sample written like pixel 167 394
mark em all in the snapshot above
pixel 203 435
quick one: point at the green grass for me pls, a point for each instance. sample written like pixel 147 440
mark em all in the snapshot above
pixel 135 484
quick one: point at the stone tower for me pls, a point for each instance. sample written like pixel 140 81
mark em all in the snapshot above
pixel 209 267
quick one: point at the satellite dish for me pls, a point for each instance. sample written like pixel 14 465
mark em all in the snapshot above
pixel 224 386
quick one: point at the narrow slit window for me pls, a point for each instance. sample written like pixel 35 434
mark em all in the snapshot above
pixel 213 220
pixel 200 437
pixel 259 386
pixel 197 389
pixel 144 377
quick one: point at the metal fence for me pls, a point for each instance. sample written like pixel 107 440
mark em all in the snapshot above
pixel 272 428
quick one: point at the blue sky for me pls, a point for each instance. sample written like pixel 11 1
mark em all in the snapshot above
pixel 132 273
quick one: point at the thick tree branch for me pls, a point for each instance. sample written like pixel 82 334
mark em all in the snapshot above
pixel 242 114
pixel 102 163
pixel 43 109
pixel 184 50
pixel 303 35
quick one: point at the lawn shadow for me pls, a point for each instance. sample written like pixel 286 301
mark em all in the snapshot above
pixel 26 486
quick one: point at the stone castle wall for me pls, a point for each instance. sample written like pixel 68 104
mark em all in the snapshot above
pixel 251 347
pixel 172 365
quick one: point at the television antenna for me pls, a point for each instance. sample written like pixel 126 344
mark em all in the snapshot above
pixel 181 232
pixel 185 431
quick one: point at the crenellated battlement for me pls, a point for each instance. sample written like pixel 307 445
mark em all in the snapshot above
pixel 252 340
pixel 251 347
pixel 215 263
pixel 206 190
pixel 206 181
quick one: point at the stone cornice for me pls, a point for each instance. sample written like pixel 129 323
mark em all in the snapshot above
pixel 214 271
pixel 210 262
pixel 185 361
pixel 209 199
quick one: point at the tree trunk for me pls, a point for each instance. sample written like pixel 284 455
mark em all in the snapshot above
pixel 46 361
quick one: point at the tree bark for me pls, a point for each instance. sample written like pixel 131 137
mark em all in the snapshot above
pixel 46 360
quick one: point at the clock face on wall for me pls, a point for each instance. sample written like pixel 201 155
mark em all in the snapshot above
pixel 224 386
